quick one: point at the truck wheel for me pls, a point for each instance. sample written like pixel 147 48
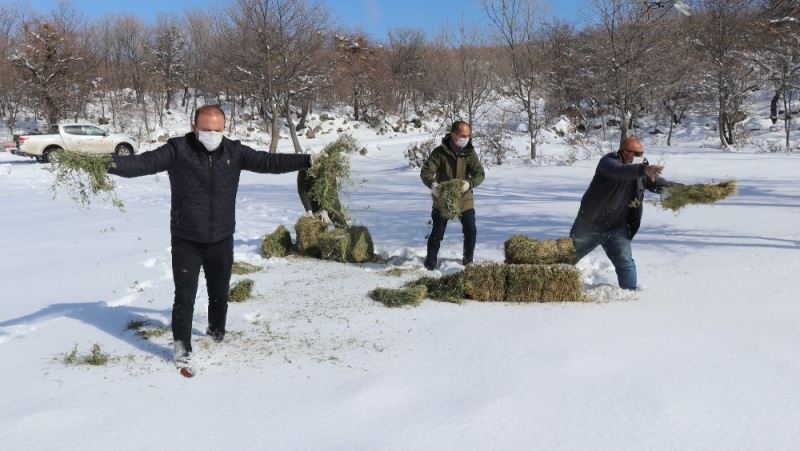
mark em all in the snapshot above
pixel 123 150
pixel 47 155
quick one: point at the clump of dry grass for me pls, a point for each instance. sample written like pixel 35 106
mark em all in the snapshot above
pixel 676 197
pixel 277 243
pixel 245 268
pixel 520 249
pixel 241 291
pixel 84 176
pixel 398 297
pixel 144 329
pixel 448 200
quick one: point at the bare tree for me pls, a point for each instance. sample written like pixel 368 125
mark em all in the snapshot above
pixel 11 91
pixel 407 63
pixel 517 27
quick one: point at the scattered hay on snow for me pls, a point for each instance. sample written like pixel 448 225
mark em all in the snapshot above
pixel 448 200
pixel 245 268
pixel 277 243
pixel 397 297
pixel 241 290
pixel 520 249
pixel 448 288
pixel 676 197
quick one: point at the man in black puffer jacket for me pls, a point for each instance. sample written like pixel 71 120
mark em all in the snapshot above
pixel 611 208
pixel 204 169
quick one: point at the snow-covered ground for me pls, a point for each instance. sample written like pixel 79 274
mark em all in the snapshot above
pixel 705 356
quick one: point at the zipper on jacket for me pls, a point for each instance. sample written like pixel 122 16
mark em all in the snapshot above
pixel 210 198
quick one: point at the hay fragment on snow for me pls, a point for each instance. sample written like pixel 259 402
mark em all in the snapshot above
pixel 245 268
pixel 676 197
pixel 277 243
pixel 486 282
pixel 347 245
pixel 308 231
pixel 544 283
pixel 397 297
pixel 520 249
pixel 84 176
pixel 241 290
pixel 448 200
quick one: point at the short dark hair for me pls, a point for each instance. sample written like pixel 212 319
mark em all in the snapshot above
pixel 458 125
pixel 208 109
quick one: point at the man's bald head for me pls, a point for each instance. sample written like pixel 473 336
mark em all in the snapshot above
pixel 630 147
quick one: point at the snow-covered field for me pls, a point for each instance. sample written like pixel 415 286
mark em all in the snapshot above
pixel 705 356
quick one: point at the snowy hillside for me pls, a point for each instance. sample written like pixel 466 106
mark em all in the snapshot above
pixel 704 356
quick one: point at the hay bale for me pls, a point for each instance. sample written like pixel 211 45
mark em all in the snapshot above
pixel 308 230
pixel 520 249
pixel 676 197
pixel 347 245
pixel 544 283
pixel 241 290
pixel 397 297
pixel 448 200
pixel 84 176
pixel 277 243
pixel 245 268
pixel 486 281
pixel 449 288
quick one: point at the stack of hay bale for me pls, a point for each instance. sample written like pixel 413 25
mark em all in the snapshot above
pixel 534 271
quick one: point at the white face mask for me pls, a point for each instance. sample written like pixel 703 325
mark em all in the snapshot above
pixel 211 140
pixel 462 142
pixel 637 160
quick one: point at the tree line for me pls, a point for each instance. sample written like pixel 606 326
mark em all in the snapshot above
pixel 281 59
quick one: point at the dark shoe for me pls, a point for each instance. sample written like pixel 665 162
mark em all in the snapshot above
pixel 466 261
pixel 430 267
pixel 216 336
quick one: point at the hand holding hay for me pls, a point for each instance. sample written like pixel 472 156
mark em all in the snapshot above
pixel 448 202
pixel 84 176
pixel 678 196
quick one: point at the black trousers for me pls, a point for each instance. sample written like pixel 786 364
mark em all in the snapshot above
pixel 188 257
pixel 437 235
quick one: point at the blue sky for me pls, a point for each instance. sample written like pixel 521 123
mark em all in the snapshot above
pixel 375 17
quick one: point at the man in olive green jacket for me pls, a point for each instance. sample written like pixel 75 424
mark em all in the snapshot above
pixel 455 158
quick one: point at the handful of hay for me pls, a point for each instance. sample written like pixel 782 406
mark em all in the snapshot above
pixel 330 171
pixel 241 290
pixel 347 245
pixel 277 243
pixel 84 176
pixel 520 249
pixel 676 197
pixel 448 201
pixel 397 297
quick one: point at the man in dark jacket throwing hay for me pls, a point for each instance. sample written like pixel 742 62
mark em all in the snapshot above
pixel 455 158
pixel 204 169
pixel 611 208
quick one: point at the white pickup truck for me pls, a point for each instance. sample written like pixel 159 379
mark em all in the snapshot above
pixel 85 138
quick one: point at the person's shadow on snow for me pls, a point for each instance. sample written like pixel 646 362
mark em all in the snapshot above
pixel 111 320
